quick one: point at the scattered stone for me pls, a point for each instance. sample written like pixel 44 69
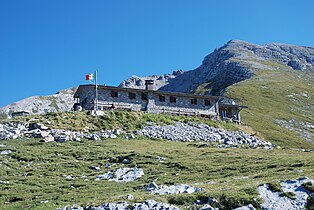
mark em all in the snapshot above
pixel 275 200
pixel 73 207
pixel 123 175
pixel 117 131
pixel 126 161
pixel 69 177
pixel 44 134
pixel 151 204
pixel 14 130
pixel 107 175
pixel 175 189
pixel 93 137
pixel 113 206
pixel 130 136
pixel 146 205
pixel 188 132
pixel 248 207
pixel 5 152
pixel 198 202
pixel 212 201
pixel 152 186
pixel 39 126
pixel 96 168
pixel 130 197
pixel 208 207
pixel 49 138
pixel 4 182
pixel 112 136
pixel 61 139
pixel 160 159
pixel 127 174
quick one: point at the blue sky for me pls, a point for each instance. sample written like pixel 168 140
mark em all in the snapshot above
pixel 46 46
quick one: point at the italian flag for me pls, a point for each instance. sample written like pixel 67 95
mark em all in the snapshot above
pixel 89 76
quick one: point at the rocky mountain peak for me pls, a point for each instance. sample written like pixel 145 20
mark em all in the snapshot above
pixel 58 102
pixel 233 62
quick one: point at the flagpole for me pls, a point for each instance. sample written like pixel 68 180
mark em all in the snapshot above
pixel 96 92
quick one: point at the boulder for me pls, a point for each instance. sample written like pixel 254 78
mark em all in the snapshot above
pixel 175 189
pixel 123 175
pixel 96 168
pixel 107 175
pixel 39 126
pixel 5 152
pixel 208 207
pixel 48 138
pixel 126 161
pixel 130 197
pixel 248 207
pixel 44 133
pixel 152 186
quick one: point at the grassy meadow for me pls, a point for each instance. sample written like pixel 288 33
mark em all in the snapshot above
pixel 37 172
pixel 39 175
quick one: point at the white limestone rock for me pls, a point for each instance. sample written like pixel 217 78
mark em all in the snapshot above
pixel 274 200
pixel 175 189
pixel 123 175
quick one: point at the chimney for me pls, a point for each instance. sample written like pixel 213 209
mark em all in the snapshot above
pixel 149 85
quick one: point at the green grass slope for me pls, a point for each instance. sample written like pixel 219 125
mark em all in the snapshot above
pixel 128 121
pixel 281 104
pixel 37 172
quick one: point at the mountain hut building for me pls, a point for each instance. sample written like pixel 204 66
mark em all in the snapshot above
pixel 154 101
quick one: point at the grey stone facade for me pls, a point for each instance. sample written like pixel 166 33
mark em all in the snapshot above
pixel 146 100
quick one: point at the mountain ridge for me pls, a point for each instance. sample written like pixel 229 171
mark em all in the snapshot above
pixel 224 66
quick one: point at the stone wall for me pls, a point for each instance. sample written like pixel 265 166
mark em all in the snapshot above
pixel 182 105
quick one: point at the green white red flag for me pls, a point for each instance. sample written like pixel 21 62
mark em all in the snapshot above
pixel 89 76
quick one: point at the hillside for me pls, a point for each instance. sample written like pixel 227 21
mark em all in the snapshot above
pixel 59 102
pixel 275 80
pixel 112 169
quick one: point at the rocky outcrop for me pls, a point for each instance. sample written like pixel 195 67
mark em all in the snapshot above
pixel 185 132
pixel 59 102
pixel 278 200
pixel 159 81
pixel 15 130
pixel 230 64
pixel 173 189
pixel 123 175
pixel 200 132
pixel 148 204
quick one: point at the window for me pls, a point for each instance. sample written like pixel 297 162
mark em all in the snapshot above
pixel 207 102
pixel 162 98
pixel 144 96
pixel 114 94
pixel 173 99
pixel 132 96
pixel 194 101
